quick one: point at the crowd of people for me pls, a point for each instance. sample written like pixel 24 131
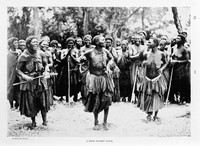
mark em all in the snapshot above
pixel 149 73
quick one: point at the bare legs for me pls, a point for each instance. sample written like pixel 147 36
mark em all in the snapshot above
pixel 155 116
pixel 44 116
pixel 105 118
pixel 33 122
pixel 150 114
pixel 96 122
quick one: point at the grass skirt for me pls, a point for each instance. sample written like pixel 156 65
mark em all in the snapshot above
pixel 100 91
pixel 151 94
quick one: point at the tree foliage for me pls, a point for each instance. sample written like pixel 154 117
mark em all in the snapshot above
pixel 62 22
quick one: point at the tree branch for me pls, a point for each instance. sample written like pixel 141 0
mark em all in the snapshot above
pixel 133 13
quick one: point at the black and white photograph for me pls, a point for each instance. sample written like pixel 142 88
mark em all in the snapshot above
pixel 100 73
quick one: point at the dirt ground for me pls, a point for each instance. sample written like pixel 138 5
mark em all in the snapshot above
pixel 124 120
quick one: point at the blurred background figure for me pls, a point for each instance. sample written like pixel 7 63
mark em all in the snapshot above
pixel 22 45
pixel 13 92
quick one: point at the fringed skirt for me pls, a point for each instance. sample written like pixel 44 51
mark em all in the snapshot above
pixel 151 94
pixel 33 99
pixel 99 92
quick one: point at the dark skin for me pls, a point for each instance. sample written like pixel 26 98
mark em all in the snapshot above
pixel 13 47
pixel 137 44
pixel 182 53
pixel 99 69
pixel 162 47
pixel 74 54
pixel 100 65
pixel 87 47
pixel 22 46
pixel 33 49
pixel 79 43
pixel 44 46
pixel 112 50
pixel 156 63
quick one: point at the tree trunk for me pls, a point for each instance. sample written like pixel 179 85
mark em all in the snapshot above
pixel 142 18
pixel 25 19
pixel 177 21
pixel 85 20
pixel 36 22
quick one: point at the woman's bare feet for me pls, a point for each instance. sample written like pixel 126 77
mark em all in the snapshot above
pixel 96 127
pixel 105 126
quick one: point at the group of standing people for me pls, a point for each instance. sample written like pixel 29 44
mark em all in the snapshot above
pixel 140 71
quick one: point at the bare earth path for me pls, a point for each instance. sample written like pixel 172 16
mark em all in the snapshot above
pixel 125 120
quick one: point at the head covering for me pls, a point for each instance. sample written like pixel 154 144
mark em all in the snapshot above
pixel 118 40
pixel 45 38
pixel 78 38
pixel 43 41
pixel 183 38
pixel 96 39
pixel 29 39
pixel 143 32
pixel 184 33
pixel 54 42
pixel 70 39
pixel 22 41
pixel 87 37
pixel 109 38
pixel 11 40
pixel 164 37
pixel 162 42
pixel 125 42
pixel 137 35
